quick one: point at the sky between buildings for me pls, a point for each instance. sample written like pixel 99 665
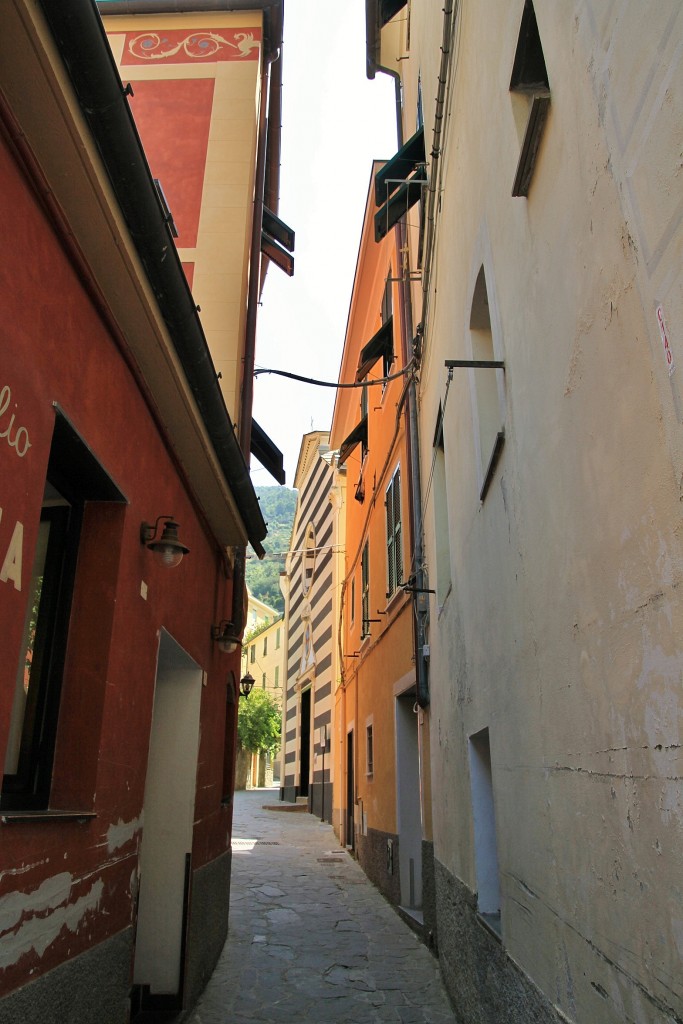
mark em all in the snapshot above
pixel 335 122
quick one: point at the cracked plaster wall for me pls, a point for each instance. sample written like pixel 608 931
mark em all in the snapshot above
pixel 562 631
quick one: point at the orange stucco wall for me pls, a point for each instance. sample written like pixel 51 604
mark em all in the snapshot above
pixel 384 662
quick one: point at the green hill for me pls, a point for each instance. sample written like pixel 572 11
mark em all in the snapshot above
pixel 278 505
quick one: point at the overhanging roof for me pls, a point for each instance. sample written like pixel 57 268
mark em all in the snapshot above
pixel 82 44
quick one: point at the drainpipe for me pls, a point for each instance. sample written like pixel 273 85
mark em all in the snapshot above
pixel 420 597
pixel 253 295
pixel 83 46
pixel 449 12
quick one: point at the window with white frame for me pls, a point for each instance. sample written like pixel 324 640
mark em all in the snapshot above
pixel 394 533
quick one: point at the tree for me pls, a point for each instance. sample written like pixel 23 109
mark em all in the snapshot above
pixel 258 722
pixel 278 505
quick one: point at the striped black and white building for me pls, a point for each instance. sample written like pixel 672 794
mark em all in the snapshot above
pixel 309 586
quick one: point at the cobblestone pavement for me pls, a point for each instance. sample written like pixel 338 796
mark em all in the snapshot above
pixel 310 937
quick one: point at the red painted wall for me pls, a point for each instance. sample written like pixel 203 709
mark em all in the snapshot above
pixel 56 349
pixel 177 154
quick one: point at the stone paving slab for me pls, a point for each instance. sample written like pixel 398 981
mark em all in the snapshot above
pixel 310 937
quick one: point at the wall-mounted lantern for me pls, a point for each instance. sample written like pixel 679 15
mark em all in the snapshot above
pixel 224 635
pixel 167 548
pixel 246 684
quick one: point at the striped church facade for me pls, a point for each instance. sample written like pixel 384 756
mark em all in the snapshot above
pixel 308 585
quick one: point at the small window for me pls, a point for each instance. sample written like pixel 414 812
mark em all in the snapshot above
pixel 252 654
pixel 277 639
pixel 277 675
pixel 365 591
pixel 442 535
pixel 484 820
pixel 488 388
pixel 263 683
pixel 369 751
pixel 530 92
pixel 75 484
pixel 265 645
pixel 394 534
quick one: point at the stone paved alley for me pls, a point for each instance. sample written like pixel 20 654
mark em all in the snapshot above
pixel 310 938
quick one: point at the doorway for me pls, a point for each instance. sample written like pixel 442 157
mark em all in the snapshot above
pixel 350 793
pixel 166 850
pixel 408 798
pixel 305 742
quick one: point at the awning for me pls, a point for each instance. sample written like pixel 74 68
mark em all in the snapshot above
pixel 277 241
pixel 381 344
pixel 267 453
pixel 398 185
pixel 359 435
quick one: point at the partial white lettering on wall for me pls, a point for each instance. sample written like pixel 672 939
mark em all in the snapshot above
pixel 15 435
pixel 11 566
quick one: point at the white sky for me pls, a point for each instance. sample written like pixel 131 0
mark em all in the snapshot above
pixel 335 122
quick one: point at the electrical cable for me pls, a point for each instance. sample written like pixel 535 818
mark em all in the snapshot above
pixel 335 384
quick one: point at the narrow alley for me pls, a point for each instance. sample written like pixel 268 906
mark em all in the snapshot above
pixel 310 937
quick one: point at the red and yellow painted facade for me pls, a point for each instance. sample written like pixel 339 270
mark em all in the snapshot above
pixel 88 356
pixel 196 81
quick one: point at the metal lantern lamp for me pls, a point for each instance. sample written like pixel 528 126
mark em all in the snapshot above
pixel 167 547
pixel 246 684
pixel 224 635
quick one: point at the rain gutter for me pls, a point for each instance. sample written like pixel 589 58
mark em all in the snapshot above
pixel 83 45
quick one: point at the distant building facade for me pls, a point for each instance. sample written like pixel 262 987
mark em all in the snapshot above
pixel 264 658
pixel 309 586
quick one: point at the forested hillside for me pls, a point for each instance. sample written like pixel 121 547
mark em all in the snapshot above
pixel 278 505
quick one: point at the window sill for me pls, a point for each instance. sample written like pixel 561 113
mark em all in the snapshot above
pixel 35 817
pixel 392 600
pixel 491 924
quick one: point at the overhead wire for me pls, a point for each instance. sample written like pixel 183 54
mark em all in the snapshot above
pixel 336 384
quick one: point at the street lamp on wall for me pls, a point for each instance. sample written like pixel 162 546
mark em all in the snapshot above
pixel 167 548
pixel 224 635
pixel 246 684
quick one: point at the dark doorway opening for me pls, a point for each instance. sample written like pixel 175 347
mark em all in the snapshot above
pixel 305 743
pixel 350 792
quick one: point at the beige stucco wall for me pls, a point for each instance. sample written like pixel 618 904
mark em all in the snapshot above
pixel 561 633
